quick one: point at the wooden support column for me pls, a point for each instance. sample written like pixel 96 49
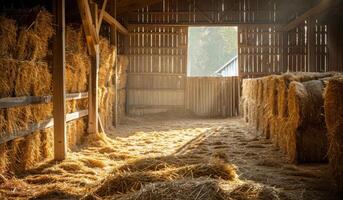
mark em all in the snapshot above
pixel 114 41
pixel 60 142
pixel 93 82
pixel 93 93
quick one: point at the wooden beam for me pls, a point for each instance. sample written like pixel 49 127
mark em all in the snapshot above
pixel 202 13
pixel 93 93
pixel 113 22
pixel 114 41
pixel 6 137
pixel 101 15
pixel 92 37
pixel 59 109
pixel 322 6
pixel 197 24
pixel 125 6
pixel 10 102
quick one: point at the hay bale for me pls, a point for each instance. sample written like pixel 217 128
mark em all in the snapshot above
pixel 260 105
pixel 334 122
pixel 4 158
pixel 123 62
pixel 122 97
pixel 33 79
pixel 31 152
pixel 18 118
pixel 272 108
pixel 8 68
pixel 245 99
pixel 16 150
pixel 282 107
pixel 75 41
pixel 33 41
pixel 76 130
pixel 47 143
pixel 107 61
pixel 8 37
pixel 41 112
pixel 3 121
pixel 265 119
pixel 122 81
pixel 77 70
pixel 306 139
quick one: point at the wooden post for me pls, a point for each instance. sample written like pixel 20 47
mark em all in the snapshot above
pixel 60 143
pixel 114 42
pixel 93 82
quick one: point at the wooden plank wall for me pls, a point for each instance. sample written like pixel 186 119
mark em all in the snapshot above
pixel 335 43
pixel 157 67
pixel 259 50
pixel 213 96
pixel 307 49
pixel 206 12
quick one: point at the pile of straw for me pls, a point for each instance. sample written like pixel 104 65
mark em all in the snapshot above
pixel 334 121
pixel 202 189
pixel 143 172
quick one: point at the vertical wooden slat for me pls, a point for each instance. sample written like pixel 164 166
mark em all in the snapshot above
pixel 59 110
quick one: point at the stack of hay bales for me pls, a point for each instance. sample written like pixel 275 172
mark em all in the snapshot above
pixel 334 122
pixel 26 70
pixel 123 63
pixel 288 109
pixel 106 83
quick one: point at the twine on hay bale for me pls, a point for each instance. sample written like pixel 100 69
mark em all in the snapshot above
pixel 334 121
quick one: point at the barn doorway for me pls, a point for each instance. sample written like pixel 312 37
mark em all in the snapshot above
pixel 212 71
pixel 212 51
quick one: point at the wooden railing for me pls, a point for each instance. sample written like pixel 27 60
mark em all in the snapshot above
pixel 11 102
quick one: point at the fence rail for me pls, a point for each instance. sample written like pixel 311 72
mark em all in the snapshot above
pixel 11 102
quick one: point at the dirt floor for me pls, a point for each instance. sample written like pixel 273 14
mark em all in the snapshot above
pixel 116 167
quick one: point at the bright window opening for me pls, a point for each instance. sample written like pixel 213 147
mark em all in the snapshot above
pixel 212 51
